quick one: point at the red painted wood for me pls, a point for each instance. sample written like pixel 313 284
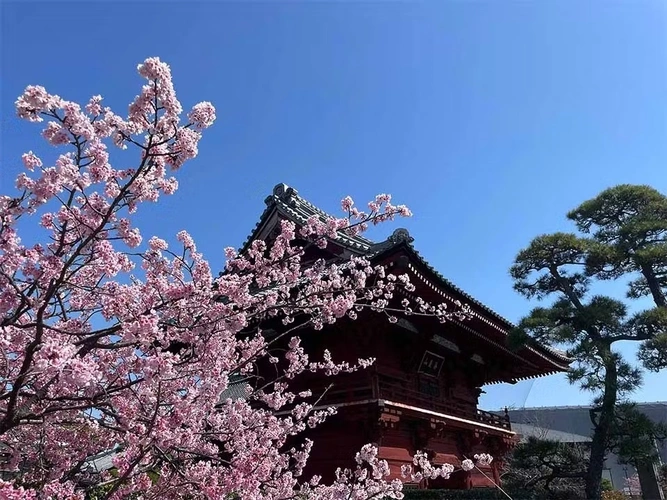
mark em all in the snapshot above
pixel 364 398
pixel 367 400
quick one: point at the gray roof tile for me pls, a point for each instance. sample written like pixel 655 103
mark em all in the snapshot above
pixel 287 202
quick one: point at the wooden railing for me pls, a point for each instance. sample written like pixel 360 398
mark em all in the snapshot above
pixel 382 387
pixel 394 392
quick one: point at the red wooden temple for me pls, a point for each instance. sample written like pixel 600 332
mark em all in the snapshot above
pixel 423 390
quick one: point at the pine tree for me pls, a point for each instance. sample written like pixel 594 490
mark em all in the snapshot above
pixel 622 235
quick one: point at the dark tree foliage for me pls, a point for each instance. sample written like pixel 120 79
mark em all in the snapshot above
pixel 550 469
pixel 633 435
pixel 622 235
pixel 554 470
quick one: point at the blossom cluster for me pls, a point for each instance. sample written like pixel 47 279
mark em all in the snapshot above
pixel 423 469
pixel 632 485
pixel 483 459
pixel 111 342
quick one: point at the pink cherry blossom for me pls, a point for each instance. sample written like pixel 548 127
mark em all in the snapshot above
pixel 94 107
pixel 467 464
pixel 110 343
pixel 202 115
pixel 31 161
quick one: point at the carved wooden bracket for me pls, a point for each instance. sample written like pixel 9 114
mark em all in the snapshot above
pixel 388 419
pixel 438 428
pixel 377 423
pixel 479 436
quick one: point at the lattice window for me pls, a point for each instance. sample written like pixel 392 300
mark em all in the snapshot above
pixel 429 387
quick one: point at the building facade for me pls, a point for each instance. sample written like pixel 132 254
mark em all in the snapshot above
pixel 422 392
pixel 576 420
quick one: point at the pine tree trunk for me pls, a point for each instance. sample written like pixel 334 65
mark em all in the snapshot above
pixel 602 427
pixel 654 286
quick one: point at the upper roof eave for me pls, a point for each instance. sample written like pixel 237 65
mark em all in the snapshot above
pixel 504 326
pixel 286 201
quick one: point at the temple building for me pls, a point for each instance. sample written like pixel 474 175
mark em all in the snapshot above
pixel 422 392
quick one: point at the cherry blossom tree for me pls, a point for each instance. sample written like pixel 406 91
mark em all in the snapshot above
pixel 111 344
pixel 633 486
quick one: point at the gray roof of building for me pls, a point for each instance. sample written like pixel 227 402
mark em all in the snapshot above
pixel 527 430
pixel 237 389
pixel 101 462
pixel 648 404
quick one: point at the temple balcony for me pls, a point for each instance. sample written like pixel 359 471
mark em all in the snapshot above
pixel 406 391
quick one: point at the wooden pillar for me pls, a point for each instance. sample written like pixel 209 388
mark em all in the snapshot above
pixel 496 471
pixel 375 383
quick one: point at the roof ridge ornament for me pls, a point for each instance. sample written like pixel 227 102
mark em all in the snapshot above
pixel 401 234
pixel 282 192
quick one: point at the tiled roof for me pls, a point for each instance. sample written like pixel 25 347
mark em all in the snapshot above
pixel 100 462
pixel 505 324
pixel 286 201
pixel 238 388
pixel 646 404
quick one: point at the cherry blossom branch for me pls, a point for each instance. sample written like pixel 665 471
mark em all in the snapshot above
pixel 108 345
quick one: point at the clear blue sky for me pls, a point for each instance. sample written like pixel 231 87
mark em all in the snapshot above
pixel 489 119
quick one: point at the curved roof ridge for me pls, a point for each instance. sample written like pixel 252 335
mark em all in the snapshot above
pixel 507 324
pixel 286 201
